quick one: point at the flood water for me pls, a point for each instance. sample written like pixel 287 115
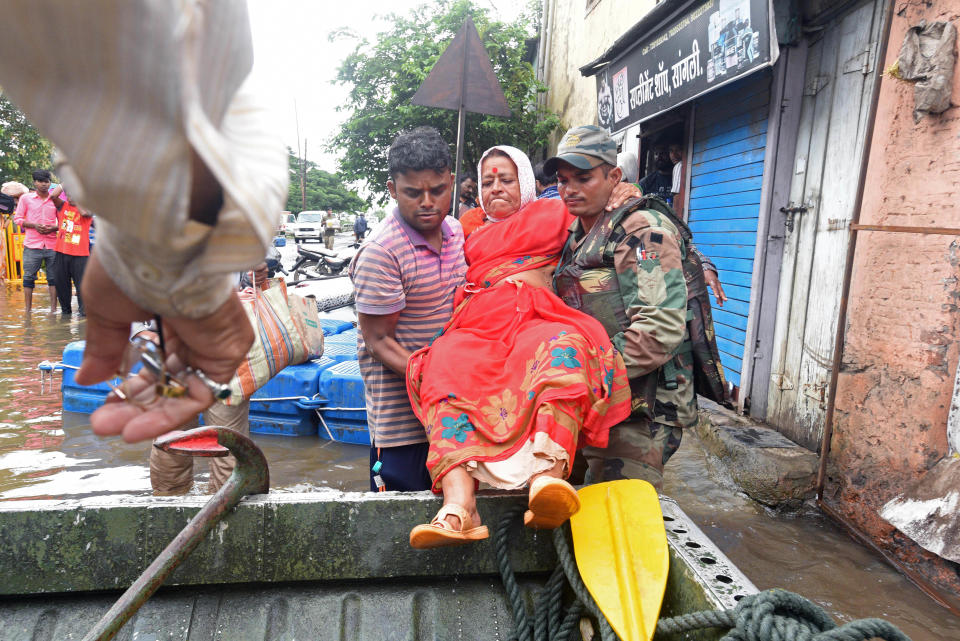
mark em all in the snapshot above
pixel 44 454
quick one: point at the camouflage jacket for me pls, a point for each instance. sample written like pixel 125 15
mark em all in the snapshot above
pixel 627 273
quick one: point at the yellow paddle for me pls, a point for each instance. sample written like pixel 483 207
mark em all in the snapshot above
pixel 621 549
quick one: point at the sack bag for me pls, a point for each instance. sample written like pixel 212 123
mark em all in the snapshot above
pixel 277 341
pixel 307 319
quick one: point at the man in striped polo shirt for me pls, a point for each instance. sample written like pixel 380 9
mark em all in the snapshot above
pixel 405 276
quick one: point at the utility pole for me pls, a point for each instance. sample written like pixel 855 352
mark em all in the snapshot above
pixel 301 160
pixel 303 177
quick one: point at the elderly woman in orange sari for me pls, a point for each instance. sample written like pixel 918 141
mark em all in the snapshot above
pixel 517 381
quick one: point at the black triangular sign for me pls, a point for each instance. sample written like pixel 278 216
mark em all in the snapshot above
pixel 464 64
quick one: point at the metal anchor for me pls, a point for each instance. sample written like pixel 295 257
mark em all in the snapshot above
pixel 250 476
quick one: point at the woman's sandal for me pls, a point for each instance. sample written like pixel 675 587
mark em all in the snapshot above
pixel 552 502
pixel 439 533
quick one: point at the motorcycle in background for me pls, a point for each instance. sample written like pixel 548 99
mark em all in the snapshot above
pixel 321 263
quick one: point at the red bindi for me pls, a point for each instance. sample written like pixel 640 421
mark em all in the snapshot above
pixel 494 169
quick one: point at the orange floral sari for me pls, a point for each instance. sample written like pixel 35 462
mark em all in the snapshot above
pixel 515 368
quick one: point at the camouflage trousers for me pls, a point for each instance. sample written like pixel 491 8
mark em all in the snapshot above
pixel 638 449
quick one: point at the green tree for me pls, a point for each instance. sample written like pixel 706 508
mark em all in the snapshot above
pixel 22 148
pixel 383 76
pixel 323 189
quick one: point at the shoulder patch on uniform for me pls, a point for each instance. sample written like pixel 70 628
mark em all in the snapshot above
pixel 656 238
pixel 637 220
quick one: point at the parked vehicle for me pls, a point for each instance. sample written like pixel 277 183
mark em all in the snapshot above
pixel 320 262
pixel 309 225
pixel 287 223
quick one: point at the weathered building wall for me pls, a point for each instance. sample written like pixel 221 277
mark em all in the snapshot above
pixel 902 346
pixel 575 38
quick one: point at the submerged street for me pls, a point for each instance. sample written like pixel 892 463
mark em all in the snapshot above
pixel 45 454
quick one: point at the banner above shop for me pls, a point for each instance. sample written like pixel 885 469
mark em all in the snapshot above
pixel 708 46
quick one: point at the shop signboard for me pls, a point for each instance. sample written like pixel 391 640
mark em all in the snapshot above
pixel 709 45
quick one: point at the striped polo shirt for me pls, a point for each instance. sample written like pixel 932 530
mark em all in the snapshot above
pixel 397 270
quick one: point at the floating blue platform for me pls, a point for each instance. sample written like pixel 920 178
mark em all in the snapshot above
pixel 340 352
pixel 344 418
pixel 324 362
pixel 348 337
pixel 274 408
pixel 286 405
pixel 334 326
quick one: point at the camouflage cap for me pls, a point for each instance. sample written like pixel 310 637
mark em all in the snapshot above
pixel 584 147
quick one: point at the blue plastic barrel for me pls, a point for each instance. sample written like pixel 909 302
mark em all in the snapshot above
pixel 345 416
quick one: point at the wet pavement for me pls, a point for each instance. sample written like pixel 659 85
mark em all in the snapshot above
pixel 45 454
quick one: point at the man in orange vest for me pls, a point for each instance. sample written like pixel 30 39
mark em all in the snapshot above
pixel 73 249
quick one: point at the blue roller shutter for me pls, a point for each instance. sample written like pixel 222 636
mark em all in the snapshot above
pixel 729 141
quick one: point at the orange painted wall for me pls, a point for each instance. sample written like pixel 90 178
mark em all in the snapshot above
pixel 903 328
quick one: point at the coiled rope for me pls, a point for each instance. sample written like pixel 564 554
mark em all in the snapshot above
pixel 779 615
pixel 550 621
pixel 772 615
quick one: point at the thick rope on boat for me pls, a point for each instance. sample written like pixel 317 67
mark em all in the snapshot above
pixel 569 565
pixel 550 622
pixel 779 615
pixel 772 615
pixel 520 622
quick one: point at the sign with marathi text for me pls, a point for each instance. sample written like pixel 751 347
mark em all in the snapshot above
pixel 713 43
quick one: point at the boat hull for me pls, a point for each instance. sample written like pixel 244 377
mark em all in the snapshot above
pixel 326 565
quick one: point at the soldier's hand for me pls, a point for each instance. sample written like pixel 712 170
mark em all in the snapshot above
pixel 713 282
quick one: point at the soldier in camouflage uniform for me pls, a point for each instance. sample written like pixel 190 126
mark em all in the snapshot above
pixel 624 268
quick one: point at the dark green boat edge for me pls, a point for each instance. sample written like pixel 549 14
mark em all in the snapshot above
pixel 324 565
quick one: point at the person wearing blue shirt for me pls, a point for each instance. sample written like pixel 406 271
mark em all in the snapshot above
pixel 360 227
pixel 546 183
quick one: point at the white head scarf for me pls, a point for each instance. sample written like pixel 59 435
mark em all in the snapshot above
pixel 528 187
pixel 627 161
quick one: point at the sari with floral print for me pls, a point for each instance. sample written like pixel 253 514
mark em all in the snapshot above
pixel 516 379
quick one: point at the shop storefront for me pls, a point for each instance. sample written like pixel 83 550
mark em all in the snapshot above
pixel 771 130
pixel 699 81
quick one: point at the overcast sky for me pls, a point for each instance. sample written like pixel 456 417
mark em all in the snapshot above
pixel 294 61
